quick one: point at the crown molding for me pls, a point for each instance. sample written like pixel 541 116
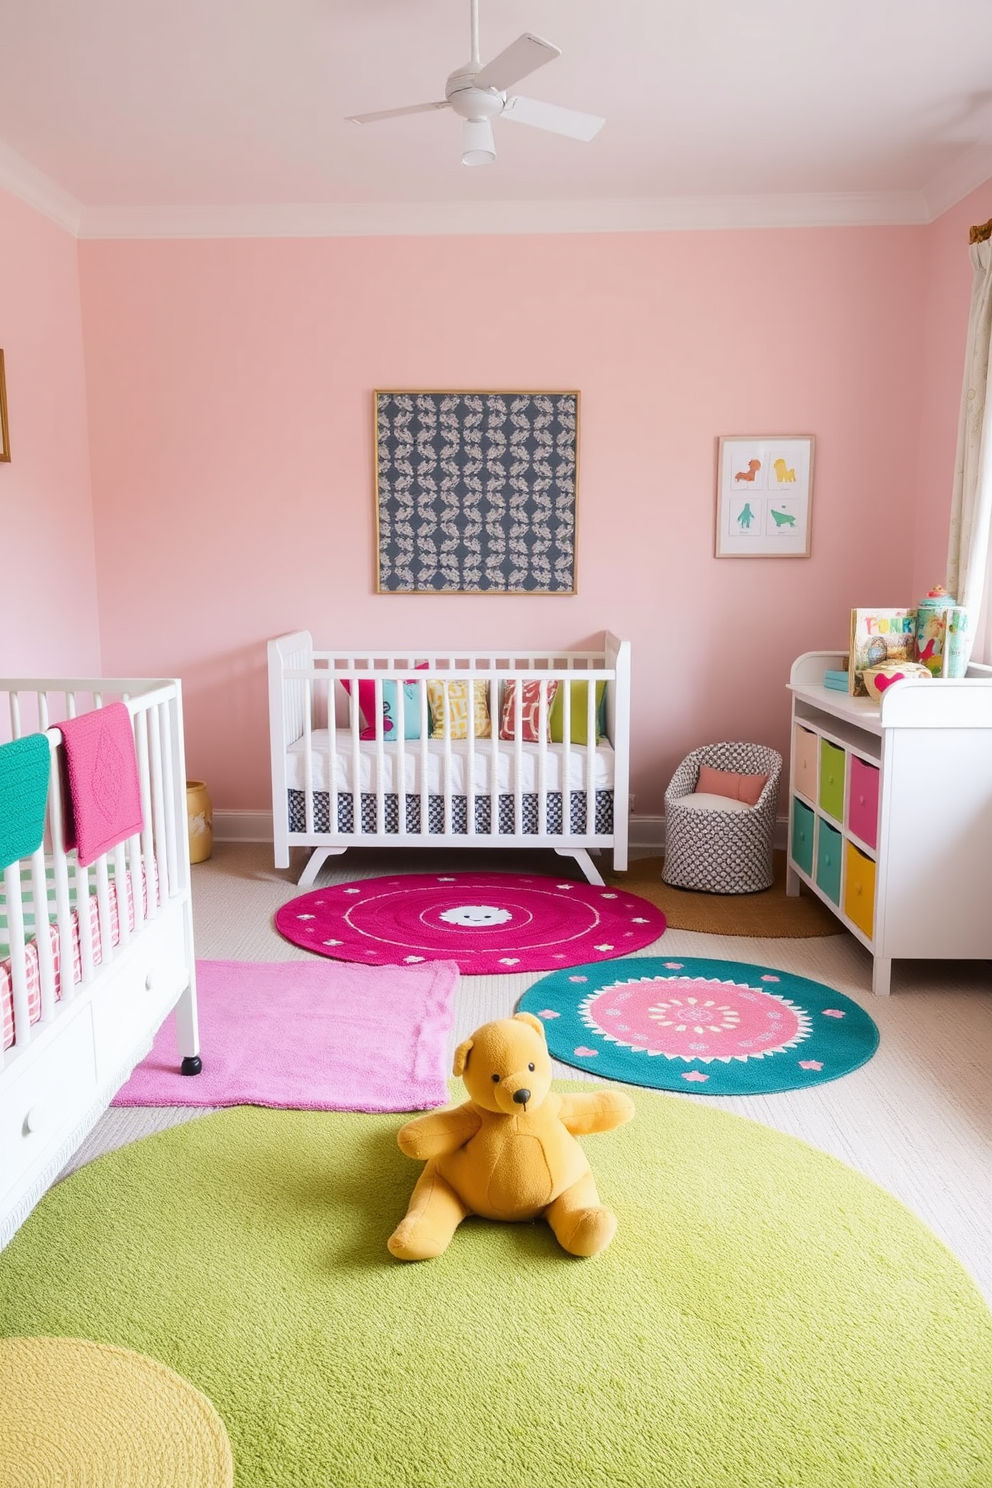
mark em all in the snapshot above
pixel 37 190
pixel 959 179
pixel 376 219
pixel 438 219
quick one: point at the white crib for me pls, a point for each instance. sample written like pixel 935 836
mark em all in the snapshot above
pixel 92 958
pixel 466 792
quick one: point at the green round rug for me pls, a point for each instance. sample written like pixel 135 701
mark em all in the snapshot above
pixel 765 1316
pixel 693 1024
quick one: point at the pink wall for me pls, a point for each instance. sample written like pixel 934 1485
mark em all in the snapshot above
pixel 230 396
pixel 945 324
pixel 48 602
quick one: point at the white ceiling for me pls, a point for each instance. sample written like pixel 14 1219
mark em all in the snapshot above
pixel 125 117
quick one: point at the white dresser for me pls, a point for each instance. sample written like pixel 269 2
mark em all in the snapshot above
pixel 890 812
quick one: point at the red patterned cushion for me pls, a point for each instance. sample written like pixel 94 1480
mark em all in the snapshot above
pixel 530 706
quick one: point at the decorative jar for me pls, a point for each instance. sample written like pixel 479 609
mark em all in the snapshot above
pixel 200 820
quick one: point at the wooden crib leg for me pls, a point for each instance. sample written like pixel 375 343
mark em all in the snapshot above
pixel 315 862
pixel 584 861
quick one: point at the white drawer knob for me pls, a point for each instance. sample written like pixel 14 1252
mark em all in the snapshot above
pixel 153 979
pixel 35 1120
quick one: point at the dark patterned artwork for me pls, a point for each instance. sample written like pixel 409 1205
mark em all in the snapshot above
pixel 475 492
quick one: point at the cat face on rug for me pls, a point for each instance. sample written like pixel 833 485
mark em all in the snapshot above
pixel 510 1151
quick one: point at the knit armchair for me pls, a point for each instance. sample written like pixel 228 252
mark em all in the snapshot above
pixel 721 851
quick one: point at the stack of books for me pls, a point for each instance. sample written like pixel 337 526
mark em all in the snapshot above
pixel 836 681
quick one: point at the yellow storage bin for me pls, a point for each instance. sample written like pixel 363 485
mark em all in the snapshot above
pixel 859 889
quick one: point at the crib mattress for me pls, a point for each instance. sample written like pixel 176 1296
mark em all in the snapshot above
pixel 52 930
pixel 506 765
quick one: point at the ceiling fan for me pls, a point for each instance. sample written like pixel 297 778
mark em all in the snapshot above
pixel 479 95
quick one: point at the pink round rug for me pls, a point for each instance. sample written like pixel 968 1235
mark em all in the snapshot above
pixel 486 922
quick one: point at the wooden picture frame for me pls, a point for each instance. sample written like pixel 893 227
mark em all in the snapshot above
pixel 4 426
pixel 475 492
pixel 764 496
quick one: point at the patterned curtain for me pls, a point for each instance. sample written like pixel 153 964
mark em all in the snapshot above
pixel 968 557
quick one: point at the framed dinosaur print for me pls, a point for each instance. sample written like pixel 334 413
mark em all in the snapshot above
pixel 764 495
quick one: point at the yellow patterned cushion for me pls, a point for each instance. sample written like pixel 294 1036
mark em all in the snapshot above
pixel 449 700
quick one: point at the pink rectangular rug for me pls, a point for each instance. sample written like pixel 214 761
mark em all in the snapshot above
pixel 308 1035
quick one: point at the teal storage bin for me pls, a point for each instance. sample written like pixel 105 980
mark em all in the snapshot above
pixel 828 861
pixel 803 823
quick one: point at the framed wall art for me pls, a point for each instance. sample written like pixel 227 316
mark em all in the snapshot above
pixel 475 492
pixel 764 493
pixel 4 428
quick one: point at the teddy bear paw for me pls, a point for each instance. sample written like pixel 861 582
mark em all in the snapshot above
pixel 590 1232
pixel 407 1243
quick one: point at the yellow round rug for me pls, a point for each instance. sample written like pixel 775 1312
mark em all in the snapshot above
pixel 86 1415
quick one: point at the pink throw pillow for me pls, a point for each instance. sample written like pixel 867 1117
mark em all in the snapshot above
pixel 530 711
pixel 366 705
pixel 746 788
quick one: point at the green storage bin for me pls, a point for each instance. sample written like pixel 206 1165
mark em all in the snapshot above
pixel 832 765
pixel 828 861
pixel 803 823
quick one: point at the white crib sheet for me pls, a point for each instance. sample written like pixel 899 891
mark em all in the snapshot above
pixel 603 765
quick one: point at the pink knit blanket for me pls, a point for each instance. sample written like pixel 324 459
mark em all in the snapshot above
pixel 310 1035
pixel 101 773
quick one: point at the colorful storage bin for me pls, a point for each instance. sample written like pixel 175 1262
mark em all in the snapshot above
pixel 803 822
pixel 832 760
pixel 862 806
pixel 859 890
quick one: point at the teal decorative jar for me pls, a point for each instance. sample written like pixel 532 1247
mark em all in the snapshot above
pixel 931 623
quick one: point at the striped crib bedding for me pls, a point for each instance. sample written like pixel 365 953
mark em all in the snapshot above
pixel 30 932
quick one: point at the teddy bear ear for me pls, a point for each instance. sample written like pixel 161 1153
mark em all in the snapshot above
pixel 535 1023
pixel 461 1056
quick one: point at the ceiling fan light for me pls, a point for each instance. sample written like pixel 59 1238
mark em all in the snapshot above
pixel 478 147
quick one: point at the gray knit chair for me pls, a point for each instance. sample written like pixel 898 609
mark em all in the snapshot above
pixel 721 852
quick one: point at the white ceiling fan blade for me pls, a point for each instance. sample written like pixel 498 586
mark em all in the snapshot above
pixel 414 108
pixel 518 60
pixel 550 116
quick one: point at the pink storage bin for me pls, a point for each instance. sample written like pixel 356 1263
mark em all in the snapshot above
pixel 862 805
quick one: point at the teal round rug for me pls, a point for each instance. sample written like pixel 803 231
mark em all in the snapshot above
pixel 714 1027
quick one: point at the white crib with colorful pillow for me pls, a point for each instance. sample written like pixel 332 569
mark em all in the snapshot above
pixel 454 748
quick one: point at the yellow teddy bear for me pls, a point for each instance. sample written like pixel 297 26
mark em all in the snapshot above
pixel 509 1152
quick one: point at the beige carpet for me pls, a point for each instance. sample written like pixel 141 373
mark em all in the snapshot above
pixel 770 914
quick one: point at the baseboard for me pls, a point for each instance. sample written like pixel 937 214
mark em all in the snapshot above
pixel 242 826
pixel 647 833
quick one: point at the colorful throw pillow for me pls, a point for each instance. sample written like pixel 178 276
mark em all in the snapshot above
pixel 746 788
pixel 412 720
pixel 449 703
pixel 530 710
pixel 578 717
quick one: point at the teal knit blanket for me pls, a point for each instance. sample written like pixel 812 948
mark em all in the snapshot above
pixel 24 766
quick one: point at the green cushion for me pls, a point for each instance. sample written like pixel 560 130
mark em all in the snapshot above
pixel 579 716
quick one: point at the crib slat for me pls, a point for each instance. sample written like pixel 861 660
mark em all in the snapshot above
pixel 448 827
pixel 42 936
pixel 380 757
pixel 425 730
pixel 332 756
pixel 470 761
pixel 18 955
pixel 400 781
pixel 147 835
pixel 308 809
pixel 169 789
pixel 356 757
